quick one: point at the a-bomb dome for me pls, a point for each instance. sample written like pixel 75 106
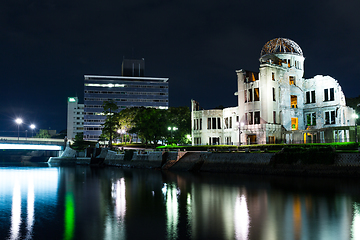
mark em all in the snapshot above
pixel 281 45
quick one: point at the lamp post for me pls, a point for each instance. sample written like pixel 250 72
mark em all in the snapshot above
pixel 171 129
pixel 240 124
pixel 355 116
pixel 32 126
pixel 18 122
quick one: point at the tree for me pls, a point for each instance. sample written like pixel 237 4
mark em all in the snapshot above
pixel 111 121
pixel 126 119
pixel 43 133
pixel 150 125
pixel 179 117
pixel 79 143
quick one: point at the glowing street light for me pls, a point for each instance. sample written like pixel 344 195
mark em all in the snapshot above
pixel 172 129
pixel 18 122
pixel 32 126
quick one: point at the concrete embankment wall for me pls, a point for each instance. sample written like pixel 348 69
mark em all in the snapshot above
pixel 346 164
pixel 234 162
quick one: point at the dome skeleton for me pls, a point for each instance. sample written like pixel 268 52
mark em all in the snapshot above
pixel 281 45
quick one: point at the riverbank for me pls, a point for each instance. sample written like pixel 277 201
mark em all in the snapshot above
pixel 345 164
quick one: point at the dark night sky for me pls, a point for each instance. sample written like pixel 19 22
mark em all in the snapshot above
pixel 48 45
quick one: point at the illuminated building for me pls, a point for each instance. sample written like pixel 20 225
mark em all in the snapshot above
pixel 75 117
pixel 132 89
pixel 277 104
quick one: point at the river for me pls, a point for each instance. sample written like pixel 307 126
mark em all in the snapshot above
pixel 80 202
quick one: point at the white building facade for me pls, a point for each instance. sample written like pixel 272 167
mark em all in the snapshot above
pixel 277 104
pixel 75 118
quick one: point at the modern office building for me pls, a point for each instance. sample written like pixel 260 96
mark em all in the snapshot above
pixel 75 117
pixel 130 90
pixel 277 104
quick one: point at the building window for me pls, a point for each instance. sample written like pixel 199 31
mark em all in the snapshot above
pixel 219 123
pixel 289 63
pixel 256 94
pixel 251 118
pixel 200 125
pixel 311 119
pixel 230 122
pixel 246 118
pixel 291 80
pixel 274 117
pixel 257 118
pixel 329 94
pixel 310 97
pixel 293 101
pixel 273 76
pixel 226 123
pixel 330 117
pixel 294 123
pixel 245 96
pixel 213 126
pixel 250 95
pixel 209 123
pixel 273 91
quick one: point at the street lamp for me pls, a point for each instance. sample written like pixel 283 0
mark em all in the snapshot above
pixel 355 116
pixel 32 126
pixel 240 124
pixel 18 122
pixel 171 129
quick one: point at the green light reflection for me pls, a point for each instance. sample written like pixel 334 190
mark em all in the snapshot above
pixel 69 216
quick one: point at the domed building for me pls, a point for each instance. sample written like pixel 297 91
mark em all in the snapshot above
pixel 277 104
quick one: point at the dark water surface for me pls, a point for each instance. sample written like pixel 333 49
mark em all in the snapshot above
pixel 42 202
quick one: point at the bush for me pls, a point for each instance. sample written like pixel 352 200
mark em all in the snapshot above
pixel 305 155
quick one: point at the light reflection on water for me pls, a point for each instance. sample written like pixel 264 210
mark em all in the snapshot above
pixel 113 203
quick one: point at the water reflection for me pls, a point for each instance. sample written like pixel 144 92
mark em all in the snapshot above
pixel 112 203
pixel 21 185
pixel 30 207
pixel 115 226
pixel 15 212
pixel 171 193
pixel 241 218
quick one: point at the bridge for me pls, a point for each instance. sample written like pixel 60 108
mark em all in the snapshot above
pixel 31 143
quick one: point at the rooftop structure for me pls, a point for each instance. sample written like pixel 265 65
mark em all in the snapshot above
pixel 126 91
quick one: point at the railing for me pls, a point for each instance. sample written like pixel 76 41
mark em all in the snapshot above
pixel 45 141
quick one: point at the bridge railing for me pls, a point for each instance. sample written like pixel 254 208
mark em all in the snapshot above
pixel 46 141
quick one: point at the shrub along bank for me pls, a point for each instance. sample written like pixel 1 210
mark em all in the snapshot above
pixel 305 155
pixel 348 146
